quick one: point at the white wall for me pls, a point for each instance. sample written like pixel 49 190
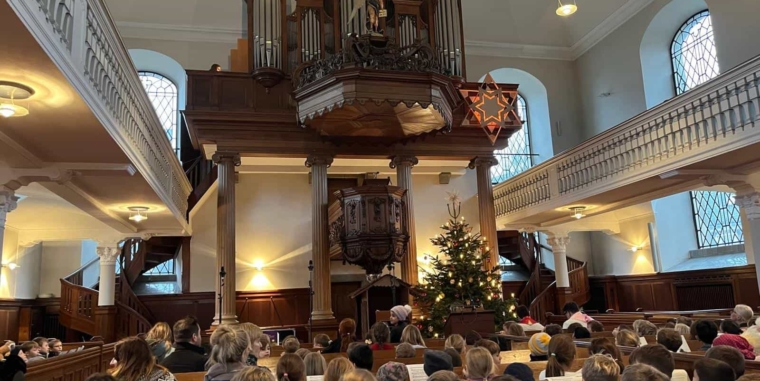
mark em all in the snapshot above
pixel 273 227
pixel 613 254
pixel 191 55
pixel 58 260
pixel 675 228
pixel 10 254
pixel 24 280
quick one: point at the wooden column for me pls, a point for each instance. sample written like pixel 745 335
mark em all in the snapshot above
pixel 108 254
pixel 8 202
pixel 486 210
pixel 320 250
pixel 403 165
pixel 225 235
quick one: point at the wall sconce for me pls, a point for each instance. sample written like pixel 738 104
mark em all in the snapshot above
pixel 10 94
pixel 11 265
pixel 138 213
pixel 578 212
pixel 634 248
pixel 258 264
pixel 566 9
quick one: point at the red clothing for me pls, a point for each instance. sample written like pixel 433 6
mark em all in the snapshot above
pixel 377 347
pixel 528 320
pixel 737 342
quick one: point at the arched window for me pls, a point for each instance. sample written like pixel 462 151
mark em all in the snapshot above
pixel 163 94
pixel 518 156
pixel 695 61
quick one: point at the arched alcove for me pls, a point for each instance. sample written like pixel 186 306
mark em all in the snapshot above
pixel 656 65
pixel 537 100
pixel 151 61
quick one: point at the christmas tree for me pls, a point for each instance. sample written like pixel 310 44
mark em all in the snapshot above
pixel 461 277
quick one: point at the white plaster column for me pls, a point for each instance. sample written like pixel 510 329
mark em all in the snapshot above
pixel 225 236
pixel 559 247
pixel 320 250
pixel 486 209
pixel 8 202
pixel 403 165
pixel 750 210
pixel 107 286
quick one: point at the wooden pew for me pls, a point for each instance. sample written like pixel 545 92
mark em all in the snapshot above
pixel 194 376
pixel 77 366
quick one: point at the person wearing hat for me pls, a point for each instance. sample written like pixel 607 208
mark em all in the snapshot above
pixel 520 371
pixel 539 346
pixel 399 320
pixel 436 360
pixel 393 371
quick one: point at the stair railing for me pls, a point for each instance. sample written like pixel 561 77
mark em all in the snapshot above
pixel 545 302
pixel 201 173
pixel 579 283
pixel 530 253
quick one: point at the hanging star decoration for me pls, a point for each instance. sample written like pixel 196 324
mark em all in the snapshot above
pixel 490 107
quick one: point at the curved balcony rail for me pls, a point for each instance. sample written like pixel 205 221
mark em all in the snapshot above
pixel 81 39
pixel 715 118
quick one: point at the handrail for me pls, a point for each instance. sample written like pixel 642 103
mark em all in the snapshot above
pixel 579 283
pixel 130 322
pixel 528 248
pixel 78 304
pixel 544 302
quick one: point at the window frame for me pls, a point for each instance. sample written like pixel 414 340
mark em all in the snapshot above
pixel 177 143
pixel 521 100
pixel 679 32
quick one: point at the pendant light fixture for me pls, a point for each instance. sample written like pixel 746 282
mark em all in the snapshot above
pixel 566 9
pixel 578 212
pixel 10 95
pixel 138 213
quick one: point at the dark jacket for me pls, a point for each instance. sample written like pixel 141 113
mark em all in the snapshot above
pixel 223 372
pixel 186 358
pixel 397 330
pixel 12 369
pixel 334 346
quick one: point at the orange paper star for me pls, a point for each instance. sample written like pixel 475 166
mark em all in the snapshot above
pixel 490 107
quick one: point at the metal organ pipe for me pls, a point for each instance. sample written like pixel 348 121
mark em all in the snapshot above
pixel 267 33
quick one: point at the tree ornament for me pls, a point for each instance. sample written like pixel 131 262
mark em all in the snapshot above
pixel 470 280
pixel 452 281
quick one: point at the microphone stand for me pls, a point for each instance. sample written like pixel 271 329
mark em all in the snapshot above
pixel 222 274
pixel 311 297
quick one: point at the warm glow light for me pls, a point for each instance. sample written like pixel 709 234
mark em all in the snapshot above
pixel 258 264
pixel 11 265
pixel 10 94
pixel 578 212
pixel 138 213
pixel 634 249
pixel 566 9
pixel 7 110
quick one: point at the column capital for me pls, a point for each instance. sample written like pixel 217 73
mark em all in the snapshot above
pixel 221 156
pixel 313 160
pixel 750 203
pixel 108 254
pixel 558 243
pixel 8 201
pixel 483 161
pixel 403 160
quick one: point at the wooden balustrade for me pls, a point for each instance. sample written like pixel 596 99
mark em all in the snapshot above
pixel 530 252
pixel 545 302
pixel 579 283
pixel 78 306
pixel 130 322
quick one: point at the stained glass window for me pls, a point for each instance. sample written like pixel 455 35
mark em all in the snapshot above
pixel 163 94
pixel 517 157
pixel 695 61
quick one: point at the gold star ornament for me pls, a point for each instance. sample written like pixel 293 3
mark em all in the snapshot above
pixel 490 107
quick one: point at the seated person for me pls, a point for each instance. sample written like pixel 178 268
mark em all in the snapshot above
pixel 752 335
pixel 491 347
pixel 392 371
pixel 188 355
pixel 642 372
pixel 479 365
pixel 595 326
pixel 581 333
pixel 742 315
pixel 516 330
pixel 302 352
pixel 361 356
pixel 553 329
pixel 519 371
pixel 444 375
pixel 737 342
pixel 526 321
pixel 32 351
pixel 321 341
pixel 457 343
pixel 456 357
pixel 405 351
pixel 669 339
pixel 684 320
pixel 56 347
pixel 605 346
pixel 713 370
pixel 730 326
pixel 574 315
pixel 539 346
pixel 728 355
pixel 433 361
pixel 472 337
pixel 413 336
pixel 44 346
pixel 381 334
pixel 290 345
pixel 561 357
pixel 645 328
pixel 683 329
pixel 660 358
pixel 626 338
pixel 705 331
pixel 600 368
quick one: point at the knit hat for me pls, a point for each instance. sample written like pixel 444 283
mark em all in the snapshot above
pixel 392 371
pixel 401 312
pixel 520 371
pixel 435 361
pixel 539 344
pixel 737 342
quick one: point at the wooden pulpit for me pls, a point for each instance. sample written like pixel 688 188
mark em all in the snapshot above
pixel 378 296
pixel 462 322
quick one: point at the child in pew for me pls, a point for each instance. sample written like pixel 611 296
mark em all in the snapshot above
pixel 315 364
pixel 472 337
pixel 266 343
pixel 669 339
pixel 434 361
pixel 683 329
pixel 479 365
pixel 705 331
pixel 561 355
pixel 413 336
pixel 516 330
pixel 581 333
pixel 660 358
pixel 643 372
pixel 731 327
pixel 539 346
pixel 346 332
pixel 380 337
pixel 290 345
pixel 405 351
pixel 737 342
pixel 600 367
pixel 337 368
pixel 713 370
pixel 302 352
pixel 491 347
pixel 526 321
pixel 56 347
pixel 361 356
pixel 135 362
pixel 728 355
pixel 574 314
pixel 605 346
pixel 553 329
pixel 358 375
pixel 230 348
pixel 393 371
pixel 457 343
pixel 626 338
pixel 290 367
pixel 253 373
pixel 321 341
pixel 595 326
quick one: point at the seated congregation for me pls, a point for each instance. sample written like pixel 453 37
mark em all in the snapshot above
pixel 583 348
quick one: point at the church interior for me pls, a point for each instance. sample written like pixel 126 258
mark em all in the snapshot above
pixel 473 173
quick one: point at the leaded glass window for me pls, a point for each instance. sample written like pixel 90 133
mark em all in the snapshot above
pixel 517 157
pixel 163 95
pixel 695 61
pixel 164 268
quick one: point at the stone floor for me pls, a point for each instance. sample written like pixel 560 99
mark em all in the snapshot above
pixel 711 262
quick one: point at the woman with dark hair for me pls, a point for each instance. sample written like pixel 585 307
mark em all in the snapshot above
pixel 561 356
pixel 346 331
pixel 135 362
pixel 527 322
pixel 400 317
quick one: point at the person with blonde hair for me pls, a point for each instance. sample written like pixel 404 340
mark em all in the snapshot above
pixel 162 332
pixel 358 375
pixel 291 367
pixel 315 364
pixel 135 362
pixel 515 330
pixel 230 348
pixel 254 373
pixel 457 343
pixel 443 375
pixel 413 336
pixel 600 367
pixel 626 338
pixel 742 315
pixel 683 329
pixel 479 364
pixel 254 333
pixel 337 368
pixel 405 351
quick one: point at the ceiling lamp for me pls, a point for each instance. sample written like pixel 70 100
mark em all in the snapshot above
pixel 578 212
pixel 10 94
pixel 138 213
pixel 566 9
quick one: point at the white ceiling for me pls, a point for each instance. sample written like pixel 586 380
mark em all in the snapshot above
pixel 41 209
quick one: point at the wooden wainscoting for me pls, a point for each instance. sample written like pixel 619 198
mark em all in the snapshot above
pixel 24 319
pixel 683 290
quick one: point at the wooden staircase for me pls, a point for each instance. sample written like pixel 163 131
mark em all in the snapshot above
pixel 540 292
